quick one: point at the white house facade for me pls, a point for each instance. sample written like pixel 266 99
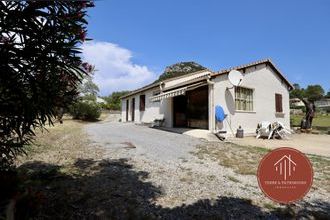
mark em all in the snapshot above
pixel 190 100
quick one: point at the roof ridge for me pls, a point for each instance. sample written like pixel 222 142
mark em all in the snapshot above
pixel 267 60
pixel 245 65
pixel 188 74
pixel 213 74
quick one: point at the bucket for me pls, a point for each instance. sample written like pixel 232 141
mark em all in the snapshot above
pixel 240 132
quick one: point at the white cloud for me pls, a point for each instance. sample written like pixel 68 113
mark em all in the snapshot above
pixel 115 69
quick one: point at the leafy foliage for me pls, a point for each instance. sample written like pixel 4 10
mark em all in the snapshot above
pixel 88 87
pixel 312 93
pixel 308 96
pixel 40 67
pixel 114 101
pixel 85 107
pixel 327 95
pixel 85 110
pixel 180 69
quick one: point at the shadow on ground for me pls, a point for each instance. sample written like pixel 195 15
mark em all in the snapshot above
pixel 111 189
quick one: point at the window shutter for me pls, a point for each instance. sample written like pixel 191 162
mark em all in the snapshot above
pixel 142 102
pixel 278 103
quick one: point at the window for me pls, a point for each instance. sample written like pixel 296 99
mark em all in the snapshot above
pixel 278 103
pixel 243 99
pixel 142 102
pixel 156 93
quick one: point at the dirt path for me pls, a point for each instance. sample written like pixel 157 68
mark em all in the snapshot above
pixel 306 143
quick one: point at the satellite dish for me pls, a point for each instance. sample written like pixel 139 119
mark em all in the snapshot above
pixel 235 77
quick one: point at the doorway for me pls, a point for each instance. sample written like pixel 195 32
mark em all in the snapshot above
pixel 180 111
pixel 127 107
pixel 191 110
pixel 133 109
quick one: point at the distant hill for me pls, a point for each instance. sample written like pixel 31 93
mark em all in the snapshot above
pixel 180 69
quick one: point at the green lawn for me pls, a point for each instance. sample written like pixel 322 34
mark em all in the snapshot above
pixel 319 120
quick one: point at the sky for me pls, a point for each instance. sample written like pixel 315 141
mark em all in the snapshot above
pixel 133 41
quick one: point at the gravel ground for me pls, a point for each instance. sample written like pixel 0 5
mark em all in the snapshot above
pixel 150 143
pixel 169 160
pixel 189 183
pixel 128 172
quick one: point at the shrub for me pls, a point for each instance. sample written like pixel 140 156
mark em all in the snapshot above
pixel 40 67
pixel 85 110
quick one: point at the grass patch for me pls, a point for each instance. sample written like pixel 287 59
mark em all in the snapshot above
pixel 318 121
pixel 243 160
pixel 269 206
pixel 321 166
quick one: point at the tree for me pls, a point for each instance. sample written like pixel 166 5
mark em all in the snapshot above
pixel 297 92
pixel 308 96
pixel 88 87
pixel 114 100
pixel 314 93
pixel 40 67
pixel 85 106
pixel 327 95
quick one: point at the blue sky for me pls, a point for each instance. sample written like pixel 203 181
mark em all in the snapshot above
pixel 135 40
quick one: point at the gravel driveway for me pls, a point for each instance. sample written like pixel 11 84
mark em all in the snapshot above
pixel 189 184
pixel 152 143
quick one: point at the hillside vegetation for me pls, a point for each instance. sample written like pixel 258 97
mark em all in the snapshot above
pixel 180 69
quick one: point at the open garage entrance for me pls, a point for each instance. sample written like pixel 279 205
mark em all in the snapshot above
pixel 191 110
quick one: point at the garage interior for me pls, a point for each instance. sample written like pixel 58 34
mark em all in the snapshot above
pixel 191 110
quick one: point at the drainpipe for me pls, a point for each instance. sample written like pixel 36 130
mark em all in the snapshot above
pixel 210 83
pixel 161 85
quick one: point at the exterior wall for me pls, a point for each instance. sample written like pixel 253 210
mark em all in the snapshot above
pixel 265 83
pixel 123 110
pixel 153 110
pixel 261 78
pixel 322 103
pixel 166 110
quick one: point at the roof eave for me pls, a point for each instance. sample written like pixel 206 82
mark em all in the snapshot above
pixel 163 81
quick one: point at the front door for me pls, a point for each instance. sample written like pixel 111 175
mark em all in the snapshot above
pixel 133 109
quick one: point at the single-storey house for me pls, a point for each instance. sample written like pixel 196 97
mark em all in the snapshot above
pixel 296 102
pixel 190 100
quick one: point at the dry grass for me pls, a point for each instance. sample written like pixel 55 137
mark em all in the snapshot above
pixel 61 145
pixel 321 166
pixel 245 160
pixel 231 178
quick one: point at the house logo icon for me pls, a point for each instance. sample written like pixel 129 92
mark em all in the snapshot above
pixel 285 166
pixel 285 175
